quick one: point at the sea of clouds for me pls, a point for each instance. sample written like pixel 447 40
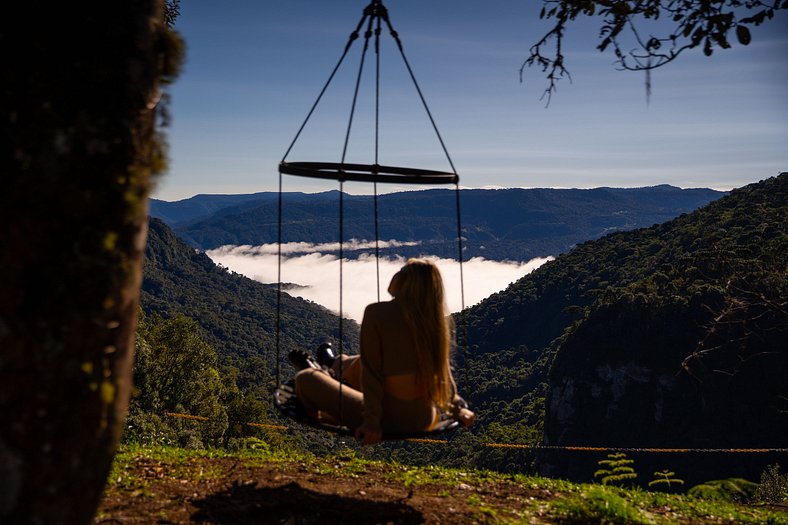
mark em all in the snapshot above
pixel 315 269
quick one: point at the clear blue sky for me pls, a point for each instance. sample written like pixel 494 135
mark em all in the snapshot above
pixel 253 69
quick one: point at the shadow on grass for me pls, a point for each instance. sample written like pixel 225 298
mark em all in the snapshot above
pixel 294 505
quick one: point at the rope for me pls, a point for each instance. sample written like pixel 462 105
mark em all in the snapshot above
pixel 463 314
pixel 384 14
pixel 353 37
pixel 377 150
pixel 341 285
pixel 374 13
pixel 641 449
pixel 367 35
pixel 279 283
pixel 264 425
pixel 186 416
pixel 568 448
pixel 377 243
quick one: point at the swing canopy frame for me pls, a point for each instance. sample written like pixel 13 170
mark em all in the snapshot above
pixel 374 16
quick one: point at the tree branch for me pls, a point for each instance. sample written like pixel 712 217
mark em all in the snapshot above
pixel 695 23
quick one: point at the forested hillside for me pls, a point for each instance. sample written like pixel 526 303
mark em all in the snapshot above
pixel 668 336
pixel 516 224
pixel 237 313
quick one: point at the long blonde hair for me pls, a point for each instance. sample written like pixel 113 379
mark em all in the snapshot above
pixel 419 290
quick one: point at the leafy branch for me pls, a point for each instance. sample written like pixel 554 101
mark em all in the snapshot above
pixel 617 469
pixel 627 25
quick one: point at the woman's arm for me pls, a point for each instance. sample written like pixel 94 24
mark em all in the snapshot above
pixel 459 408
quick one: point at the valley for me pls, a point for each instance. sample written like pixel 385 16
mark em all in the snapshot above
pixel 617 342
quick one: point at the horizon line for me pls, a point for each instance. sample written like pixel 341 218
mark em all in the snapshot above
pixel 461 187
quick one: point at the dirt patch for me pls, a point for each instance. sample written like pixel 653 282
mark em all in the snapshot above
pixel 225 491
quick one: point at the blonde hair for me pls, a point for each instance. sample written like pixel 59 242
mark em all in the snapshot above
pixel 420 291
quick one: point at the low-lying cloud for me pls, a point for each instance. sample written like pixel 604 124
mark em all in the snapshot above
pixel 317 274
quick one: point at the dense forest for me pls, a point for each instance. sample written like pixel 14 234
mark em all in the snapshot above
pixel 668 336
pixel 513 224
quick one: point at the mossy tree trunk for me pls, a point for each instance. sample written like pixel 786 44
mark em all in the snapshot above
pixel 78 151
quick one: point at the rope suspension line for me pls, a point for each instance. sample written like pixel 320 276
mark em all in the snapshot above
pixel 377 151
pixel 374 15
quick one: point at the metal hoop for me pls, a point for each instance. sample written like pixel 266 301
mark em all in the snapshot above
pixel 367 173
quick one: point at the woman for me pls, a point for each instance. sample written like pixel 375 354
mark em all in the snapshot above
pixel 401 381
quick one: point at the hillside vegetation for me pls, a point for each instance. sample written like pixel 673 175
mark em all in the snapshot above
pixel 669 336
pixel 237 314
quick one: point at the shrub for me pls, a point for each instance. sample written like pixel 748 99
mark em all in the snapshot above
pixel 773 487
pixel 146 428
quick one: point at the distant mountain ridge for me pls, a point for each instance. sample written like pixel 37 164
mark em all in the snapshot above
pixel 205 205
pixel 515 224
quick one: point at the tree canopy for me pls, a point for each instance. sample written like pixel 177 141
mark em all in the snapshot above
pixel 647 34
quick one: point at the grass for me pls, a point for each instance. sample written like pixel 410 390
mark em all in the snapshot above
pixel 548 499
pixel 597 504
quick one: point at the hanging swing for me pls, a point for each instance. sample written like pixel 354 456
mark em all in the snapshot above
pixel 374 15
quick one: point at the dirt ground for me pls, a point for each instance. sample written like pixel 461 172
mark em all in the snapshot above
pixel 223 491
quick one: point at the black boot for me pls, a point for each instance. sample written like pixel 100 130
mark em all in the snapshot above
pixel 325 355
pixel 301 360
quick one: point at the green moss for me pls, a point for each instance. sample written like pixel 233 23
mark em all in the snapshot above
pixel 735 490
pixel 596 505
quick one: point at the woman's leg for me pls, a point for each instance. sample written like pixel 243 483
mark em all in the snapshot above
pixel 351 370
pixel 320 394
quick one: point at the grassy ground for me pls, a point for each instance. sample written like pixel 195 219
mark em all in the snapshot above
pixel 168 485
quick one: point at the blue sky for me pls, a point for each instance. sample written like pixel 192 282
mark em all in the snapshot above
pixel 254 68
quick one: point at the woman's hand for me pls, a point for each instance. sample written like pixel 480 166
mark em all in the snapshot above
pixel 367 435
pixel 466 417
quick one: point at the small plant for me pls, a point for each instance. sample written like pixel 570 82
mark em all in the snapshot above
pixel 773 487
pixel 663 478
pixel 618 469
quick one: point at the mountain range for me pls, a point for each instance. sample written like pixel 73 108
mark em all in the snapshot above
pixel 509 224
